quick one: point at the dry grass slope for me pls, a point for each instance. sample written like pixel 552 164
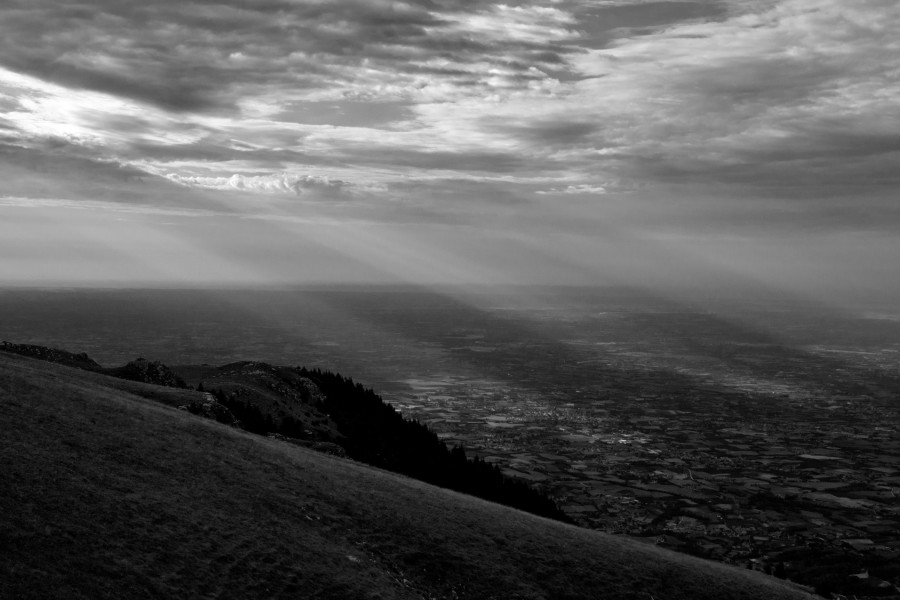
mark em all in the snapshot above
pixel 106 494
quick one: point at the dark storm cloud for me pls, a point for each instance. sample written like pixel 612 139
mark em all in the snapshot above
pixel 58 157
pixel 588 97
pixel 195 55
pixel 791 97
pixel 561 132
pixel 217 153
pixel 601 24
pixel 471 161
pixel 829 140
pixel 56 169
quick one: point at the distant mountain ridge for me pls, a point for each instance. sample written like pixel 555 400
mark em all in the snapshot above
pixel 107 494
pixel 322 410
pixel 139 369
pixel 80 360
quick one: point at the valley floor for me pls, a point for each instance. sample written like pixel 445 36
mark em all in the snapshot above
pixel 107 494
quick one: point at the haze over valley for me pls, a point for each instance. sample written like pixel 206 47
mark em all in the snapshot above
pixel 637 258
pixel 755 430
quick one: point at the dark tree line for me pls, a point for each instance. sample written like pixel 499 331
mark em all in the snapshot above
pixel 249 416
pixel 252 419
pixel 378 435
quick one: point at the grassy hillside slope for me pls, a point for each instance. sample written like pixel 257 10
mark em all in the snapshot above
pixel 106 494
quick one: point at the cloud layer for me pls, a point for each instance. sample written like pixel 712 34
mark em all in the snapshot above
pixel 668 118
pixel 265 184
pixel 792 97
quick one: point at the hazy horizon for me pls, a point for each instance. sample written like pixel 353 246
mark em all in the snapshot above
pixel 693 146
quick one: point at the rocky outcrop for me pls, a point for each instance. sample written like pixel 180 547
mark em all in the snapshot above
pixel 209 407
pixel 268 399
pixel 330 448
pixel 147 371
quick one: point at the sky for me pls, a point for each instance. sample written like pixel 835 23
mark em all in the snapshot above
pixel 272 142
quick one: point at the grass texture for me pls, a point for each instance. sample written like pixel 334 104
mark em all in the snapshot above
pixel 105 492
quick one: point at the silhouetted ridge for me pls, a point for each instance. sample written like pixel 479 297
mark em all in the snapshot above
pixel 305 406
pixel 378 435
pixel 80 360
